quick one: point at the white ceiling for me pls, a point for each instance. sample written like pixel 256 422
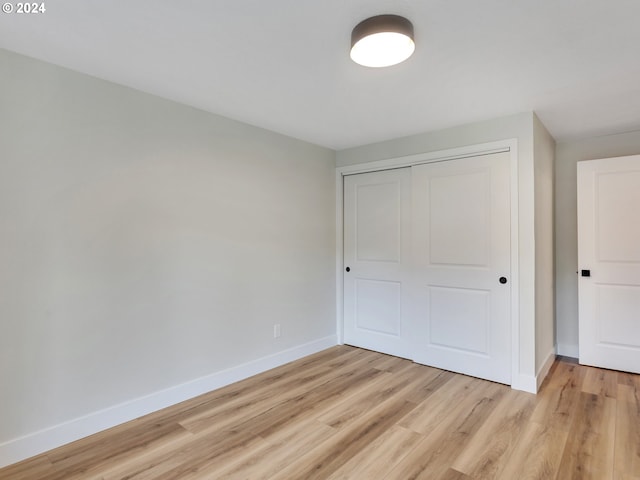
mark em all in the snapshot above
pixel 284 64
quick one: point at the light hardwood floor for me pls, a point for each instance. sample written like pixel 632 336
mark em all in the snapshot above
pixel 351 413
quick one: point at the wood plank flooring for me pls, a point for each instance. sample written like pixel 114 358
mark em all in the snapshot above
pixel 348 413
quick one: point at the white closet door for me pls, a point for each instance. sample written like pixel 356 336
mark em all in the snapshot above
pixel 609 262
pixel 461 254
pixel 376 258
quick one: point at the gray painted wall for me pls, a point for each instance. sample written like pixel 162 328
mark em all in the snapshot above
pixel 144 244
pixel 566 237
pixel 543 154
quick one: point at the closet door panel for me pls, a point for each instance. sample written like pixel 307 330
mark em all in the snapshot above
pixel 376 252
pixel 461 253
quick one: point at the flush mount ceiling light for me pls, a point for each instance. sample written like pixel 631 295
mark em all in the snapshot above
pixel 382 41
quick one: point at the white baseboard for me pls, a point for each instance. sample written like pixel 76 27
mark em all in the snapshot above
pixel 38 442
pixel 525 383
pixel 568 350
pixel 530 383
pixel 544 369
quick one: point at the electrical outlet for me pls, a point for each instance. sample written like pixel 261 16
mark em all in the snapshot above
pixel 276 330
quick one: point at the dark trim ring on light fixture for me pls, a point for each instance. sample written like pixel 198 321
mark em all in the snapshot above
pixel 382 41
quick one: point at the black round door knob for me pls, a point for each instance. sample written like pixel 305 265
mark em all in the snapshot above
pixel 348 269
pixel 503 280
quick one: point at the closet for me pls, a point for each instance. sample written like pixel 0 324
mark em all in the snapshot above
pixel 427 263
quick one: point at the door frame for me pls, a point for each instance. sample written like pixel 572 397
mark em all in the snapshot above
pixel 507 145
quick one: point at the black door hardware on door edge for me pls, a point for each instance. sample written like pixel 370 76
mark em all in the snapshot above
pixel 586 273
pixel 348 269
pixel 503 280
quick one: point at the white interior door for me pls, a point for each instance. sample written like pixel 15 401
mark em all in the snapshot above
pixel 461 254
pixel 609 262
pixel 376 258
